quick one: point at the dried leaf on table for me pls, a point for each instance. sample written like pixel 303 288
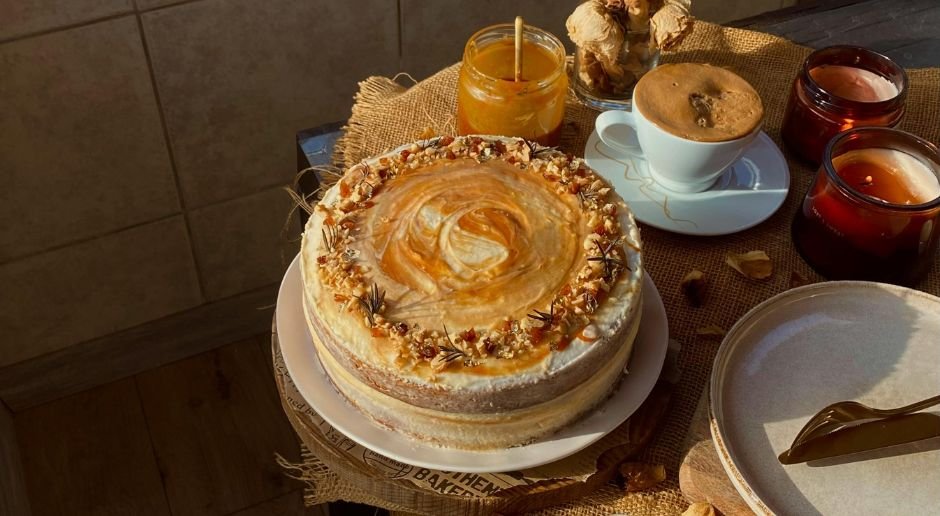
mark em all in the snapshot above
pixel 710 331
pixel 693 287
pixel 638 476
pixel 700 509
pixel 752 264
pixel 797 279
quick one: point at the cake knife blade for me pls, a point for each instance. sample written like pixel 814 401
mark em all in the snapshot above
pixel 871 435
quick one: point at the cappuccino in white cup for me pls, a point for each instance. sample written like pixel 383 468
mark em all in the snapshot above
pixel 689 122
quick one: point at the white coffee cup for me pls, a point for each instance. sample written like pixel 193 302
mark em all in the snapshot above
pixel 676 163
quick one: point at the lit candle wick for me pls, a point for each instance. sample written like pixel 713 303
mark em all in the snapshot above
pixel 868 181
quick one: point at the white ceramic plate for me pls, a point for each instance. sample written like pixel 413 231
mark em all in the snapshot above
pixel 806 348
pixel 305 370
pixel 749 192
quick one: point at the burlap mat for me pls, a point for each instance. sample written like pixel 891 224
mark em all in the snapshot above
pixel 387 114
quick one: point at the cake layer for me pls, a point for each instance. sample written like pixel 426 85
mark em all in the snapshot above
pixel 480 431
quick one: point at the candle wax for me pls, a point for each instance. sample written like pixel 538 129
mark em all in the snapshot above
pixel 888 175
pixel 852 83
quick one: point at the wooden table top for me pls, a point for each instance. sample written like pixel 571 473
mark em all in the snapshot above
pixel 907 31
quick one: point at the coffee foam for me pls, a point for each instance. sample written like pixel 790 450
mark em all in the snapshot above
pixel 730 107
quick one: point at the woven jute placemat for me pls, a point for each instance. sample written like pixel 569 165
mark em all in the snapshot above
pixel 387 114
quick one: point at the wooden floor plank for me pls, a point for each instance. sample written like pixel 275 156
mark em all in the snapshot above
pixel 216 423
pixel 264 344
pixel 90 454
pixel 13 495
pixel 291 504
pixel 125 353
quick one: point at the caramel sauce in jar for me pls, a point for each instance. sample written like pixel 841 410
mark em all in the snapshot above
pixel 490 101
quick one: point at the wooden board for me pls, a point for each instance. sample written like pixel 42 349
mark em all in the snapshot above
pixel 90 454
pixel 702 478
pixel 80 367
pixel 216 423
pixel 13 496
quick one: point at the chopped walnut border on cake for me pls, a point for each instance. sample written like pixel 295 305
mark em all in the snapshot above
pixel 441 348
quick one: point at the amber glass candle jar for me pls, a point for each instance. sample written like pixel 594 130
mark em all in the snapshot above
pixel 839 88
pixel 874 209
pixel 490 101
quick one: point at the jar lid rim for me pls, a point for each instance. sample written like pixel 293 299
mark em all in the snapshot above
pixel 828 99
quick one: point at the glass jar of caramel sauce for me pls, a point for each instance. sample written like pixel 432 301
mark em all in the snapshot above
pixel 839 88
pixel 491 101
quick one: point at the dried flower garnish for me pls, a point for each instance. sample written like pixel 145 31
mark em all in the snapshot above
pixel 330 237
pixel 611 264
pixel 372 304
pixel 638 476
pixel 693 287
pixel 700 509
pixel 547 318
pixel 711 330
pixel 753 264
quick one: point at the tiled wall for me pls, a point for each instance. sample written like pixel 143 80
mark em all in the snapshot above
pixel 143 143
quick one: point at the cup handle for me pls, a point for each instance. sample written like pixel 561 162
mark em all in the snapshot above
pixel 617 129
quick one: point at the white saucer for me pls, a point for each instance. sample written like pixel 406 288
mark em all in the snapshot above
pixel 749 192
pixel 811 346
pixel 305 370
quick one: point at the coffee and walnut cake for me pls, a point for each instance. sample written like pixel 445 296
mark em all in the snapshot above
pixel 474 292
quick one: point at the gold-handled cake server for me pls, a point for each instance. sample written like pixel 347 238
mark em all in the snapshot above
pixel 850 427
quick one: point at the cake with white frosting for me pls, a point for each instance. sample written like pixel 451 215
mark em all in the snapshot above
pixel 474 292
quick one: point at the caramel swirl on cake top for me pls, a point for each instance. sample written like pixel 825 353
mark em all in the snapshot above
pixel 478 249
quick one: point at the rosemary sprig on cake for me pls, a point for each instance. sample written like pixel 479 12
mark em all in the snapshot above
pixel 448 353
pixel 546 318
pixel 372 303
pixel 612 264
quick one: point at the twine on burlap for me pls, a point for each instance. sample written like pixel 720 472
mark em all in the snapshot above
pixel 386 115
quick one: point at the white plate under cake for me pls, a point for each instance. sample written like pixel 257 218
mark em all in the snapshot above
pixel 476 293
